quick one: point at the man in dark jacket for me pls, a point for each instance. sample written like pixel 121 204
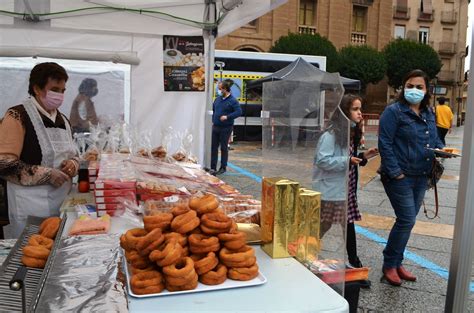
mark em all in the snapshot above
pixel 225 110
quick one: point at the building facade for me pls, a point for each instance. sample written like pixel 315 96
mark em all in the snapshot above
pixel 439 23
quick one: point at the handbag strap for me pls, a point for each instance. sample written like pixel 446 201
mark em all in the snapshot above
pixel 436 204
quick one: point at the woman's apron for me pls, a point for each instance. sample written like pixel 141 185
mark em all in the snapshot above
pixel 42 200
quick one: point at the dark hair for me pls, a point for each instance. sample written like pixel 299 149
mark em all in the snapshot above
pixel 425 103
pixel 226 84
pixel 88 86
pixel 441 100
pixel 338 121
pixel 41 73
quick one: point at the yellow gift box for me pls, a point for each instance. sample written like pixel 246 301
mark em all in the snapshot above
pixel 279 203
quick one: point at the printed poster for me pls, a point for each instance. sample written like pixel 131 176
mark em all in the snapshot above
pixel 183 60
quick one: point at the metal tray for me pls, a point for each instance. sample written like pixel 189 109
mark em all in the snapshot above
pixel 228 284
pixel 439 152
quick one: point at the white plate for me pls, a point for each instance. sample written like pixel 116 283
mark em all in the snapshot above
pixel 444 153
pixel 228 284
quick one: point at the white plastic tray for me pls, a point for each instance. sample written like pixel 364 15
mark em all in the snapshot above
pixel 228 284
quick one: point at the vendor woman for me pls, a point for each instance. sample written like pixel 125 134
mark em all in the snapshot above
pixel 37 155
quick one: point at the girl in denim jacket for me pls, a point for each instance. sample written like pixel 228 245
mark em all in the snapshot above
pixel 407 131
pixel 335 156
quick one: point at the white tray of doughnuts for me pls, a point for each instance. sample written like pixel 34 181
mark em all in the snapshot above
pixel 227 284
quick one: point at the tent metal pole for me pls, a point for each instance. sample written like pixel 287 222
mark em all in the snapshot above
pixel 461 253
pixel 245 114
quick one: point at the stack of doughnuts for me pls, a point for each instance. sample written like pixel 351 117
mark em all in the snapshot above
pixel 188 244
pixel 36 252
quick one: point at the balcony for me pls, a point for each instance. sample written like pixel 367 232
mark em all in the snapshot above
pixel 449 17
pixel 446 76
pixel 446 47
pixel 305 29
pixel 358 38
pixel 401 13
pixel 423 17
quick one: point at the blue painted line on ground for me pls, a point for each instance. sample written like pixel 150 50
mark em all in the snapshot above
pixel 236 168
pixel 374 237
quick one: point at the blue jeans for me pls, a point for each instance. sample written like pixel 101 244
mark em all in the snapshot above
pixel 220 137
pixel 406 196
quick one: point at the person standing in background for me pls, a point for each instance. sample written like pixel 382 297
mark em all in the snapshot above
pixel 37 155
pixel 444 119
pixel 225 110
pixel 83 110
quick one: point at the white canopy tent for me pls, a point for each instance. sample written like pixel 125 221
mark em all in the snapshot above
pixel 131 32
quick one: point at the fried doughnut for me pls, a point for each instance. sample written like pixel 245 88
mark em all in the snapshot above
pixel 243 273
pixel 185 251
pixel 147 282
pixel 38 240
pixel 167 254
pixel 181 281
pixel 180 269
pixel 182 240
pixel 179 209
pixel 136 260
pixel 37 252
pixel 246 263
pixel 204 204
pixel 233 241
pixel 199 243
pixel 124 243
pixel 234 227
pixel 189 286
pixel 133 235
pixel 135 270
pixel 159 220
pixel 33 262
pixel 150 242
pixel 185 223
pixel 215 223
pixel 49 227
pixel 240 255
pixel 206 263
pixel 214 277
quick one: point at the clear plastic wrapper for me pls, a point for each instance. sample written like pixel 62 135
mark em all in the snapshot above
pixel 161 152
pixel 183 154
pixel 153 207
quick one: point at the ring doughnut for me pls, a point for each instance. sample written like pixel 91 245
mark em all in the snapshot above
pixel 181 281
pixel 179 210
pixel 37 252
pixel 189 286
pixel 133 235
pixel 136 260
pixel 135 270
pixel 182 240
pixel 199 243
pixel 203 264
pixel 150 242
pixel 204 204
pixel 33 262
pixel 159 220
pixel 185 223
pixel 49 227
pixel 180 269
pixel 233 241
pixel 240 255
pixel 147 282
pixel 38 240
pixel 215 223
pixel 243 273
pixel 246 263
pixel 214 277
pixel 124 243
pixel 167 254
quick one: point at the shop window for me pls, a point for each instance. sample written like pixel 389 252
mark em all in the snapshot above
pixel 423 35
pixel 307 12
pixel 399 31
pixel 359 19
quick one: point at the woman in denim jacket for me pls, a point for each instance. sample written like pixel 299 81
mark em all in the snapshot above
pixel 335 172
pixel 407 130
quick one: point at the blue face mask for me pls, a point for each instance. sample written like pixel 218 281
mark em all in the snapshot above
pixel 413 95
pixel 219 92
pixel 353 124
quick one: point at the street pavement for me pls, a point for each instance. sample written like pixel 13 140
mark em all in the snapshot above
pixel 428 251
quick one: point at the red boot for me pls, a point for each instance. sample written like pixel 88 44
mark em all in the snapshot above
pixel 391 275
pixel 406 275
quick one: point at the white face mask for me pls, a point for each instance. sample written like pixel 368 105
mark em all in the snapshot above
pixel 53 100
